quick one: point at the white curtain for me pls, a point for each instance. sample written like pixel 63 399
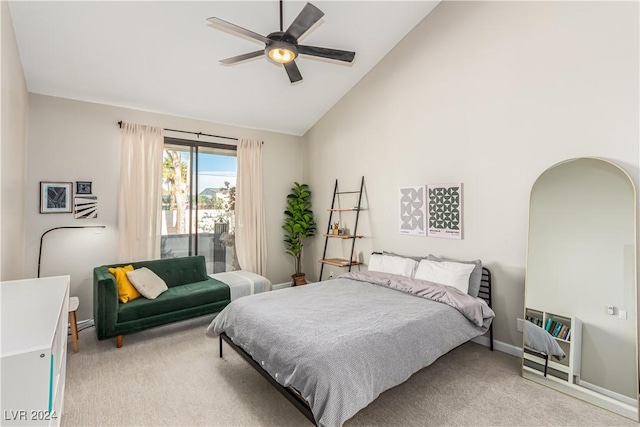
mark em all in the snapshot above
pixel 140 193
pixel 251 245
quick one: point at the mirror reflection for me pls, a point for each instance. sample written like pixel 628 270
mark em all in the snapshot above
pixel 580 294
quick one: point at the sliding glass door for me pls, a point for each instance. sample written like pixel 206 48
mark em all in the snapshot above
pixel 198 202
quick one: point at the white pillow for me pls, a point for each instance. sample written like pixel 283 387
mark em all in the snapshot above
pixel 147 282
pixel 448 273
pixel 393 265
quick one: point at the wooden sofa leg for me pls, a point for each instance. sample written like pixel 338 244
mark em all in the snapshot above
pixel 119 341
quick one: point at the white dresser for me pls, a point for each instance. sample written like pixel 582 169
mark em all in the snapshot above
pixel 34 350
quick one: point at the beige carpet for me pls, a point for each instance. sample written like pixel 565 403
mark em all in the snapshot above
pixel 173 376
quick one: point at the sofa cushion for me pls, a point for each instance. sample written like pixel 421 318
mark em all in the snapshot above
pixel 174 299
pixel 177 271
pixel 147 282
pixel 126 291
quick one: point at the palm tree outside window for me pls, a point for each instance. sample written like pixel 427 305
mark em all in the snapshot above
pixel 198 202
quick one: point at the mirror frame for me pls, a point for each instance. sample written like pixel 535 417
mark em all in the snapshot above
pixel 565 386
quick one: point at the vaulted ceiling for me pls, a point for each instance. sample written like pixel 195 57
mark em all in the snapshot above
pixel 161 56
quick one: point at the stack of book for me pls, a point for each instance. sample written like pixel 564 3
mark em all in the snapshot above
pixel 535 320
pixel 558 330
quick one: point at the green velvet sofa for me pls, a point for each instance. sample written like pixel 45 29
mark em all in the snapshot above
pixel 191 293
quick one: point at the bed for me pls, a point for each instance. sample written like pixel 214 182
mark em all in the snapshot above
pixel 332 347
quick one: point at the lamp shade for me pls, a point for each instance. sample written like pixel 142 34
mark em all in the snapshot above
pixel 281 53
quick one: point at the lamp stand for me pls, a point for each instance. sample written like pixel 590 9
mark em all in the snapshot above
pixel 58 228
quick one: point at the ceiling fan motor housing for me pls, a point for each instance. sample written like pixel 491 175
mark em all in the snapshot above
pixel 281 36
pixel 281 48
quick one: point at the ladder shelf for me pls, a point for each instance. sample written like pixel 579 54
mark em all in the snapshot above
pixel 341 262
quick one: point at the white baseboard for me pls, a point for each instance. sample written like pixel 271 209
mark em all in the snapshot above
pixel 278 286
pixel 84 324
pixel 584 393
pixel 499 345
pixel 626 402
pixel 612 394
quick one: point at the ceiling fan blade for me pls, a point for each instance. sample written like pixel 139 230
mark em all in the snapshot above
pixel 236 30
pixel 236 59
pixel 323 52
pixel 305 20
pixel 293 72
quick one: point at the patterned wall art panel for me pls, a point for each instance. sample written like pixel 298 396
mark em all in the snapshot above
pixel 445 210
pixel 55 197
pixel 413 211
pixel 85 207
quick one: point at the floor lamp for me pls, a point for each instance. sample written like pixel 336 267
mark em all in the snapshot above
pixel 74 302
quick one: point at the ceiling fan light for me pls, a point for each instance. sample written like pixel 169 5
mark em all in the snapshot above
pixel 281 56
pixel 281 53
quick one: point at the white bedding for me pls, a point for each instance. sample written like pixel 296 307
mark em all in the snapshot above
pixel 242 283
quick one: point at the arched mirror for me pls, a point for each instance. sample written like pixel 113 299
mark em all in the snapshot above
pixel 580 324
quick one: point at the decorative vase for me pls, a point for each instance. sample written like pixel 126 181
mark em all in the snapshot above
pixel 298 279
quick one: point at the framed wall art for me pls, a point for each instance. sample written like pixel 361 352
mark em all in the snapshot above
pixel 413 211
pixel 445 210
pixel 85 207
pixel 83 187
pixel 56 197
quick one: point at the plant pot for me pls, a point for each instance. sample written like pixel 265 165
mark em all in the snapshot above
pixel 298 279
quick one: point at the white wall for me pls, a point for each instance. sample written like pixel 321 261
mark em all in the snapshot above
pixel 80 141
pixel 14 140
pixel 489 94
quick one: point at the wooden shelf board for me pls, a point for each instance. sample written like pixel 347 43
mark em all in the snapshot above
pixel 342 236
pixel 344 210
pixel 338 262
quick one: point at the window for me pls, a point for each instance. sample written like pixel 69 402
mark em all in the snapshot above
pixel 198 202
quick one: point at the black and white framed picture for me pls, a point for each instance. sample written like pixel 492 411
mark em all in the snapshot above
pixel 56 197
pixel 85 207
pixel 445 210
pixel 413 211
pixel 83 187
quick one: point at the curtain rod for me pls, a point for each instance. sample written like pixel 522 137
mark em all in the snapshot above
pixel 193 133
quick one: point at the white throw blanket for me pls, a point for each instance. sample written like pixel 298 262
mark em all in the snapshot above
pixel 242 283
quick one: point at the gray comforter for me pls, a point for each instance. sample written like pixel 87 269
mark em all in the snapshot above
pixel 342 342
pixel 539 339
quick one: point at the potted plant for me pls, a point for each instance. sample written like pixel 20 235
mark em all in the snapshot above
pixel 298 225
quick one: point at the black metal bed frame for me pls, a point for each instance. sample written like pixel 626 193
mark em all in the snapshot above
pixel 298 401
pixel 485 294
pixel 539 354
pixel 293 397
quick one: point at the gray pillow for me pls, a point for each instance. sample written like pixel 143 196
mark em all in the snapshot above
pixel 476 274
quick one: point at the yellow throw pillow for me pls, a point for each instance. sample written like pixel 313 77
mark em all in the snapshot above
pixel 126 291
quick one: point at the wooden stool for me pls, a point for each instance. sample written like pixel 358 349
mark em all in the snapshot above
pixel 74 302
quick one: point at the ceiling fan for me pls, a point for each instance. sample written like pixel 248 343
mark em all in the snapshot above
pixel 282 46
